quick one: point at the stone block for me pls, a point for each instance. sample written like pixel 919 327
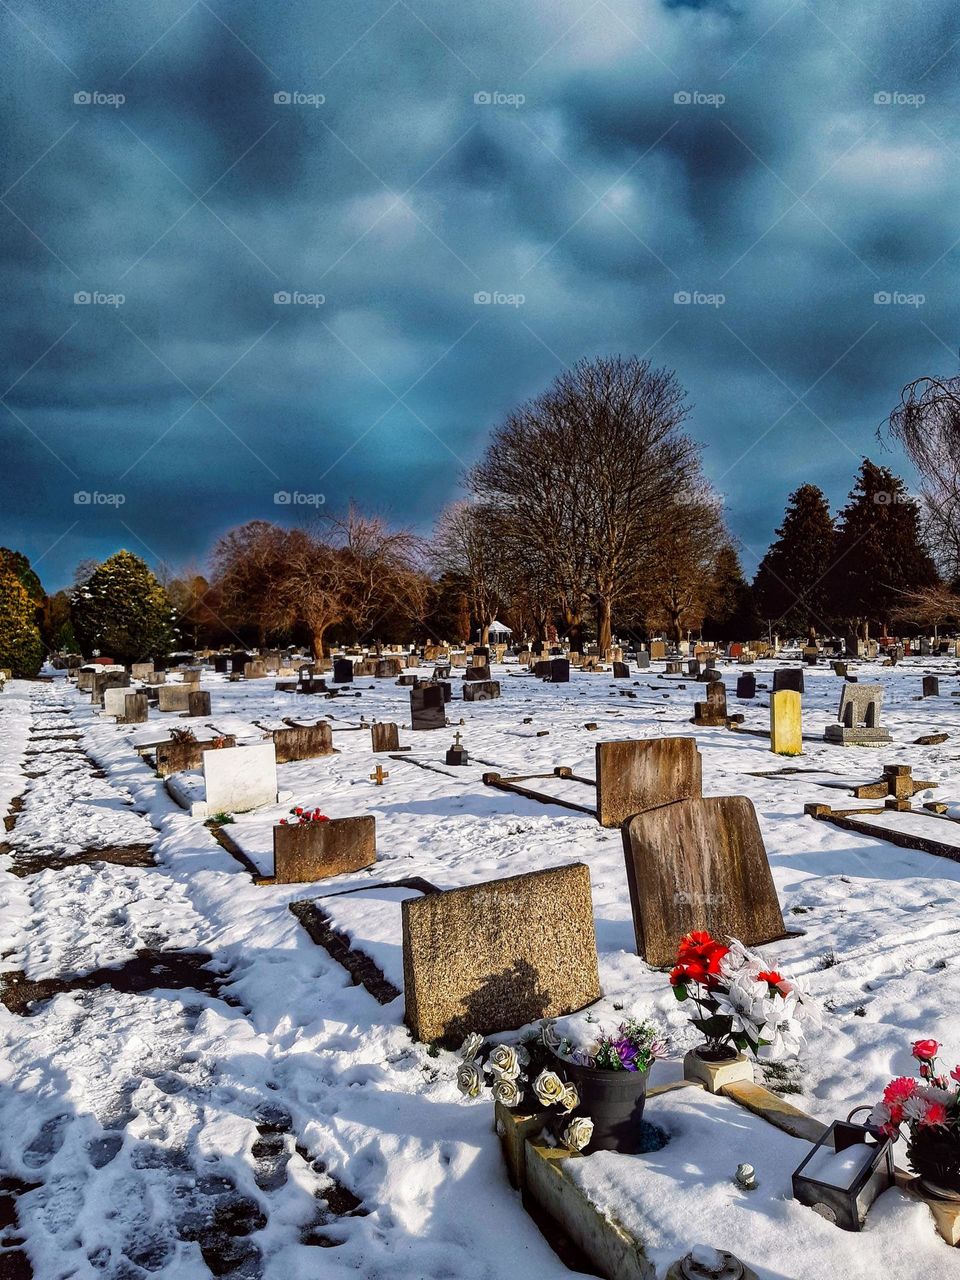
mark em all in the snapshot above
pixel 495 956
pixel 638 774
pixel 173 697
pixel 198 702
pixel 176 757
pixel 786 734
pixel 303 742
pixel 699 864
pixel 715 1075
pixel 304 852
pixel 385 737
pixel 481 690
pixel 238 779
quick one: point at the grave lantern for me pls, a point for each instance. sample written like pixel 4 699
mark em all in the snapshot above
pixel 845 1172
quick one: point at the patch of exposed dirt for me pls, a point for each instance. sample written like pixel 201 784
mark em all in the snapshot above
pixel 27 863
pixel 358 964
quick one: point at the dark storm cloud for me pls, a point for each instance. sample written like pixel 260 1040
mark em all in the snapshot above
pixel 598 159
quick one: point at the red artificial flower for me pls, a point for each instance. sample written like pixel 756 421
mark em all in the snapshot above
pixel 898 1091
pixel 298 812
pixel 283 822
pixel 771 976
pixel 925 1050
pixel 935 1114
pixel 955 1074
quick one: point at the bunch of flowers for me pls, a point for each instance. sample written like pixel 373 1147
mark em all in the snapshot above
pixel 929 1107
pixel 742 1004
pixel 633 1046
pixel 518 1074
pixel 304 815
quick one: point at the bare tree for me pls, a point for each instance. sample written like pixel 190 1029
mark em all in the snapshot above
pixel 932 607
pixel 679 587
pixel 927 424
pixel 382 574
pixel 584 474
pixel 466 543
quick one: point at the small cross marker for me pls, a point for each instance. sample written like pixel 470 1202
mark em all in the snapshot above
pixel 457 737
pixel 379 776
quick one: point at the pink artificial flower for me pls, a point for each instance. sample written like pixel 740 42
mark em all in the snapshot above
pixel 935 1114
pixel 925 1050
pixel 898 1091
pixel 955 1074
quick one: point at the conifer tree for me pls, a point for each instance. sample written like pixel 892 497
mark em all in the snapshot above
pixel 791 586
pixel 123 611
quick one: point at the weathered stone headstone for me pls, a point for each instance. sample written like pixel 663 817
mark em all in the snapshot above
pixel 479 671
pixel 175 757
pixel 788 678
pixel 859 717
pixel 385 736
pixel 840 668
pixel 559 670
pixel 304 852
pixel 157 678
pixel 786 734
pixel 747 685
pixel 221 663
pixel 643 773
pixel 190 675
pixel 104 680
pixel 114 701
pixel 238 661
pixel 643 660
pixel 427 707
pixel 342 671
pixel 853 647
pixel 699 864
pixel 255 670
pixel 387 667
pixel 674 667
pixel 140 670
pixel 198 702
pixel 495 956
pixel 658 649
pixel 303 742
pixel 481 690
pixel 811 655
pixel 174 697
pixel 238 779
pixel 621 671
pixel 135 710
pixel 713 711
pixel 931 687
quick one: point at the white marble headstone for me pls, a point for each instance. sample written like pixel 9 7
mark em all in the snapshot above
pixel 238 779
pixel 114 702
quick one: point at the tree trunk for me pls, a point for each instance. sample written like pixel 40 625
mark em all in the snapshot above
pixel 485 633
pixel 604 625
pixel 318 634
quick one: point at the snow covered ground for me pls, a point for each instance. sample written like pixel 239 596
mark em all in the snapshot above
pixel 300 1118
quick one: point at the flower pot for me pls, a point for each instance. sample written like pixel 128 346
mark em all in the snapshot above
pixel 715 1073
pixel 614 1101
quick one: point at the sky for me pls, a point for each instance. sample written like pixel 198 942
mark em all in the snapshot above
pixel 263 259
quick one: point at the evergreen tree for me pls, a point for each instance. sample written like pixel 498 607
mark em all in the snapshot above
pixel 19 565
pixel 123 611
pixel 21 649
pixel 791 587
pixel 731 609
pixel 879 556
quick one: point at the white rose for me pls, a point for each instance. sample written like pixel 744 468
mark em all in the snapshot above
pixel 471 1047
pixel 570 1100
pixel 548 1033
pixel 578 1133
pixel 506 1091
pixel 469 1079
pixel 549 1088
pixel 505 1061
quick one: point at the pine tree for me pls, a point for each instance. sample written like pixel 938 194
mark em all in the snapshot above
pixel 879 555
pixel 731 610
pixel 123 611
pixel 21 649
pixel 791 587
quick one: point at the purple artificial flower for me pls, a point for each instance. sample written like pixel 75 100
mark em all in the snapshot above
pixel 626 1052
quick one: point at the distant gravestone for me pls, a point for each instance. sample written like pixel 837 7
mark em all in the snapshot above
pixel 427 708
pixel 255 670
pixel 747 685
pixel 658 649
pixel 699 864
pixel 811 655
pixel 342 671
pixel 175 757
pixel 559 670
pixel 674 667
pixel 103 680
pixel 114 702
pixel 788 678
pixel 221 663
pixel 931 687
pixel 190 675
pixel 497 955
pixel 140 670
pixel 479 671
pixel 643 660
pixel 693 666
pixel 174 697
pixel 638 774
pixel 157 678
pixel 238 779
pixel 481 690
pixel 840 669
pixel 786 734
pixel 387 667
pixel 859 717
pixel 621 671
pixel 135 709
pixel 309 851
pixel 853 647
pixel 238 661
pixel 542 669
pixel 303 742
pixel 385 737
pixel 198 702
pixel 712 712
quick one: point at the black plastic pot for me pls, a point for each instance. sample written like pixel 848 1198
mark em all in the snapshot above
pixel 614 1101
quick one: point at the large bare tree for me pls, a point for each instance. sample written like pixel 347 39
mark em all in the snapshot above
pixel 927 424
pixel 585 475
pixel 466 544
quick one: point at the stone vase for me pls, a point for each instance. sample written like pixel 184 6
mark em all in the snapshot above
pixel 715 1073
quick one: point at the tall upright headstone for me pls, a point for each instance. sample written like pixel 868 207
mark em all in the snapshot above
pixel 635 774
pixel 786 735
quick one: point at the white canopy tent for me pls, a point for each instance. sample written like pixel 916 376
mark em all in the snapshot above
pixel 498 629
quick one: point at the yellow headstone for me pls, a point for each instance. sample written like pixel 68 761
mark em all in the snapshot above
pixel 785 732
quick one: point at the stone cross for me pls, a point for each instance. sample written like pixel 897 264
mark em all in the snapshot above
pixel 457 738
pixel 379 776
